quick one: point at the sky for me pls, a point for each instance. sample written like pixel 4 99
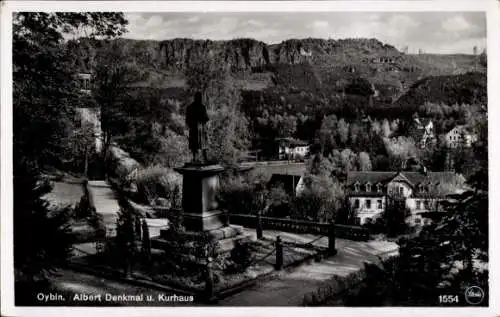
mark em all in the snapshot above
pixel 433 32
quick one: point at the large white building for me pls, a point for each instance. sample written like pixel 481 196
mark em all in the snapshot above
pixel 460 136
pixel 421 192
pixel 292 149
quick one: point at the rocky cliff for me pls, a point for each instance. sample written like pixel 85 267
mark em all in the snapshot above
pixel 242 54
pixel 330 63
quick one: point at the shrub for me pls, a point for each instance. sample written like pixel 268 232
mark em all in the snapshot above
pixel 240 257
pixel 120 164
pixel 157 181
pixel 319 200
pixel 236 195
pixel 182 252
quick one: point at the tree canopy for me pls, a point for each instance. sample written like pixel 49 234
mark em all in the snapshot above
pixel 45 98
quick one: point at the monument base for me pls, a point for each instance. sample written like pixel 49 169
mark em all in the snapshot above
pixel 199 202
pixel 225 238
pixel 201 217
pixel 209 220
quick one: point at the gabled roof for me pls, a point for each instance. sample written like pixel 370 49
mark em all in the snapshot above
pixel 289 182
pixel 268 170
pixel 402 177
pixel 434 178
pixel 426 122
pixel 372 177
pixel 414 179
pixel 292 142
pixel 461 128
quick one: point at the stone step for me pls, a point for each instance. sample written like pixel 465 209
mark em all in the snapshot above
pixel 216 234
pixel 224 245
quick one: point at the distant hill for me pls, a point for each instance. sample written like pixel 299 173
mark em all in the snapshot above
pixel 469 88
pixel 294 65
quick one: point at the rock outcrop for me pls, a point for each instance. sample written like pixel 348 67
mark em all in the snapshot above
pixel 291 63
pixel 238 54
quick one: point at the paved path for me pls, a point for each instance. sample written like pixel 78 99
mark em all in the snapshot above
pixel 289 289
pixel 67 191
pixel 106 204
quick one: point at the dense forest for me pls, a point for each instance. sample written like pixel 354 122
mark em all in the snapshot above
pixel 353 94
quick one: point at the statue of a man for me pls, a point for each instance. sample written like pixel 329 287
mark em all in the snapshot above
pixel 196 118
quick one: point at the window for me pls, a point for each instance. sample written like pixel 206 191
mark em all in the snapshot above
pixel 427 221
pixel 368 204
pixel 356 203
pixel 401 190
pixel 426 204
pixel 379 188
pixel 418 220
pixel 368 187
pixel 419 205
pixel 356 187
pixel 379 204
pixel 357 221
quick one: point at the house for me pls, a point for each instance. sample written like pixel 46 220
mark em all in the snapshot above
pixel 460 136
pixel 291 149
pixel 422 131
pixel 84 82
pixel 421 192
pixel 288 175
pixel 292 184
pixel 303 52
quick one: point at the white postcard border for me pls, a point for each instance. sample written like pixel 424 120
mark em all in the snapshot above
pixel 7 276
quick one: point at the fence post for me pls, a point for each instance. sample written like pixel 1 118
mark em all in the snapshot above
pixel 209 280
pixel 227 221
pixel 331 240
pixel 279 254
pixel 259 224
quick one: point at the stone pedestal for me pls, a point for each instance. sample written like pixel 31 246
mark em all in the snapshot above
pixel 200 215
pixel 199 189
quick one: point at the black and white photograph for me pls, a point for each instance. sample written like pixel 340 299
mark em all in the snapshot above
pixel 248 158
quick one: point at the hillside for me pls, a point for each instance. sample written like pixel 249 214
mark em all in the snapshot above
pixel 295 64
pixel 469 88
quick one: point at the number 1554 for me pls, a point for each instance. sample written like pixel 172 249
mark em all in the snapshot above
pixel 448 299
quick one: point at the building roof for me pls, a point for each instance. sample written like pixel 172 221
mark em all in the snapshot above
pixel 425 121
pixel 266 170
pixel 370 177
pixel 417 128
pixel 289 182
pixel 461 127
pixel 434 178
pixel 292 142
pixel 297 169
pixel 441 183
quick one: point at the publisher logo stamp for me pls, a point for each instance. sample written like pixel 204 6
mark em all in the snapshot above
pixel 474 295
